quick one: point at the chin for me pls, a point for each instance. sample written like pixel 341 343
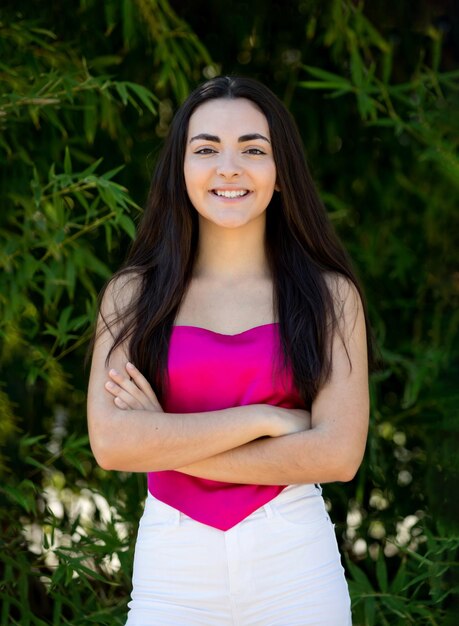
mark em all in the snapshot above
pixel 227 221
pixel 230 224
pixel 232 220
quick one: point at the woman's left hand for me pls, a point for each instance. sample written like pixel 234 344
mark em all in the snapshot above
pixel 131 390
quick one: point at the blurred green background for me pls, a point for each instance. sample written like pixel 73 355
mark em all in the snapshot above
pixel 87 91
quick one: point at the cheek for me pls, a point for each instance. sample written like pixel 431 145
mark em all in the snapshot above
pixel 194 177
pixel 267 174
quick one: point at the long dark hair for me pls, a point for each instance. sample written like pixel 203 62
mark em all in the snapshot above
pixel 301 245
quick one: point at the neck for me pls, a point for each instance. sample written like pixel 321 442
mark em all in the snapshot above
pixel 231 253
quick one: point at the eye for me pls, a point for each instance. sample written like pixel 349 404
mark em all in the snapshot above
pixel 255 151
pixel 205 151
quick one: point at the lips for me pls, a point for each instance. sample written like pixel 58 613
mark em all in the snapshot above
pixel 230 193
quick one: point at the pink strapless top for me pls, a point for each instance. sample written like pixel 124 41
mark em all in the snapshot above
pixel 209 371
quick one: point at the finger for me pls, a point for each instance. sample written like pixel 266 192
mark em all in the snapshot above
pixel 140 380
pixel 118 392
pixel 151 400
pixel 121 404
pixel 146 400
pixel 111 388
pixel 128 385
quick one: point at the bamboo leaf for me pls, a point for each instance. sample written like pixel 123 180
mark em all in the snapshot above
pixel 127 225
pixel 327 77
pixel 67 161
pixel 359 576
pixel 381 573
pixel 144 95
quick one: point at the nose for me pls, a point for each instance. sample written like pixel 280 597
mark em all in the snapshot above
pixel 228 165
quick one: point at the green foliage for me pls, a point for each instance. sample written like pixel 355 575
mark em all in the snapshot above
pixel 176 47
pixel 86 95
pixel 66 549
pixel 400 234
pixel 417 592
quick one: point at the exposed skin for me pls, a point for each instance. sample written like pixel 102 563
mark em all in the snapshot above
pixel 230 158
pixel 231 291
pixel 147 439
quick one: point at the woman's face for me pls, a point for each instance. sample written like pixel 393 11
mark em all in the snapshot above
pixel 229 168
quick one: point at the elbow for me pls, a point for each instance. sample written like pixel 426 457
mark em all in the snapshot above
pixel 103 454
pixel 346 474
pixel 102 442
pixel 348 467
pixel 347 451
pixel 103 458
pixel 341 461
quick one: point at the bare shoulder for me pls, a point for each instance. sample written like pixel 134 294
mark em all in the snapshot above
pixel 116 302
pixel 120 292
pixel 347 302
pixel 342 289
pixel 118 296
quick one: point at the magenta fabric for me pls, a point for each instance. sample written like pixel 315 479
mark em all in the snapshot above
pixel 209 371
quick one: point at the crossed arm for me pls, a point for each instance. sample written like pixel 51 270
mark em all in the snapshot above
pixel 257 444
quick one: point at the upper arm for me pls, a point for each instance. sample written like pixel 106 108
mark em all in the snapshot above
pixel 117 297
pixel 341 408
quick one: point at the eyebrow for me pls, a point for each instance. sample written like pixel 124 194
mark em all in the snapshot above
pixel 241 139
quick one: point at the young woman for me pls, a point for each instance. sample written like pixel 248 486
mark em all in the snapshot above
pixel 230 364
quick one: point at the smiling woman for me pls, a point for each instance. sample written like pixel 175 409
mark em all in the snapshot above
pixel 230 364
pixel 230 173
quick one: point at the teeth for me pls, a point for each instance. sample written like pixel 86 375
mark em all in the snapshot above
pixel 231 194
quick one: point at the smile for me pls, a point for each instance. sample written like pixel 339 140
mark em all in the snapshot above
pixel 234 193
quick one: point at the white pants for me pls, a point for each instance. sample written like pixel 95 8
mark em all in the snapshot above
pixel 278 567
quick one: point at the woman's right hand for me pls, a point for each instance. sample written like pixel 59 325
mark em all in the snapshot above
pixel 289 421
pixel 131 390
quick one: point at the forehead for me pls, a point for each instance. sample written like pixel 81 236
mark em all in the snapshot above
pixel 220 116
